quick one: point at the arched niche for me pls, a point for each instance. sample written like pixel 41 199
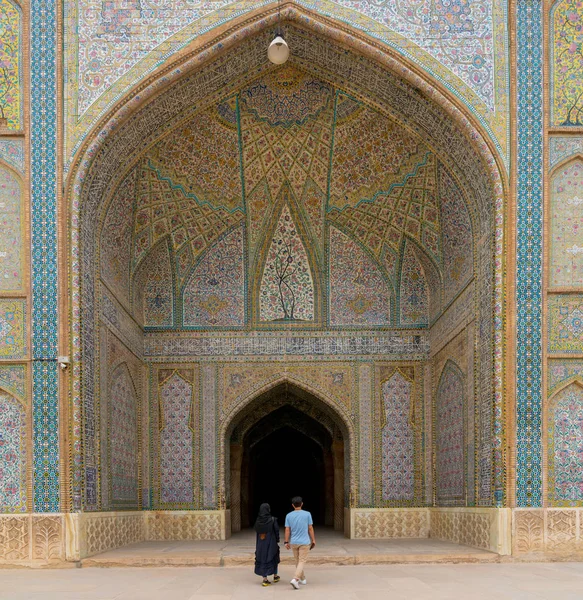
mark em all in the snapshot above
pixel 317 417
pixel 371 80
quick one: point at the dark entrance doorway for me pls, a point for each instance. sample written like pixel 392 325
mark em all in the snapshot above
pixel 284 464
pixel 287 444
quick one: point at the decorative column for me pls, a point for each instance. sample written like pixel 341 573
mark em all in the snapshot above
pixel 44 331
pixel 529 199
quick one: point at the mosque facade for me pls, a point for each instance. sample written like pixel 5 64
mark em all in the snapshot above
pixel 367 260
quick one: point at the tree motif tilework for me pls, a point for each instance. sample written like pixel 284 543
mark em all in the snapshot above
pixel 176 441
pixel 565 323
pixel 287 287
pixel 567 63
pixel 566 230
pixel 10 61
pixel 450 437
pixel 398 439
pixel 413 290
pixel 12 328
pixel 458 252
pixel 153 288
pixel 565 447
pixel 116 239
pixel 359 295
pixel 13 454
pixel 215 293
pixel 11 251
pixel 123 439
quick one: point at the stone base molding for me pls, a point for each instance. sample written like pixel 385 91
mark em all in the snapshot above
pixel 188 525
pixel 486 528
pixel 379 523
pixel 92 533
pixel 61 540
pixel 32 540
pixel 547 533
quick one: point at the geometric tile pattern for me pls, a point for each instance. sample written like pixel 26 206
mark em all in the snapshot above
pixel 566 323
pixel 413 290
pixel 167 209
pixel 529 252
pixel 43 141
pixel 215 293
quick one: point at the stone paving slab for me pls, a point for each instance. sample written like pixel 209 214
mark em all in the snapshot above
pixel 517 581
pixel 332 549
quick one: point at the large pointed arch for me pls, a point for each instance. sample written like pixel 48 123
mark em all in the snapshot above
pixel 328 52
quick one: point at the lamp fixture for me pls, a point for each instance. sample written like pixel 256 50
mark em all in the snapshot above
pixel 278 51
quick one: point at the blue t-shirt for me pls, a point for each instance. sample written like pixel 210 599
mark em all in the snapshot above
pixel 299 521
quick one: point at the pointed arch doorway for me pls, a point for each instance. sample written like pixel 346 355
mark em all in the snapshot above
pixel 287 442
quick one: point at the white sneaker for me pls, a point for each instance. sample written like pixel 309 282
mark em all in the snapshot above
pixel 295 584
pixel 303 581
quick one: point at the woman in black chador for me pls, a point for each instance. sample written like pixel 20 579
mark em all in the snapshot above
pixel 266 546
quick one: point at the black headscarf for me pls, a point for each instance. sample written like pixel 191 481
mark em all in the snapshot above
pixel 264 522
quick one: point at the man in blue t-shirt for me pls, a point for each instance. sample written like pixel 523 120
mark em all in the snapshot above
pixel 299 535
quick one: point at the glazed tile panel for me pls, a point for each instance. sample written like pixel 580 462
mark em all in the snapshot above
pixel 565 446
pixel 43 73
pixel 529 252
pixel 11 96
pixel 565 317
pixel 13 338
pixel 398 439
pixel 566 227
pixel 462 44
pixel 13 430
pixel 176 441
pixel 11 228
pixel 450 442
pixel 566 63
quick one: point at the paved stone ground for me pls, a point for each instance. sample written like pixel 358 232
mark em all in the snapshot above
pixel 530 581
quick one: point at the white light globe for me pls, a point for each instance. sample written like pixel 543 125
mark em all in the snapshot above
pixel 278 51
